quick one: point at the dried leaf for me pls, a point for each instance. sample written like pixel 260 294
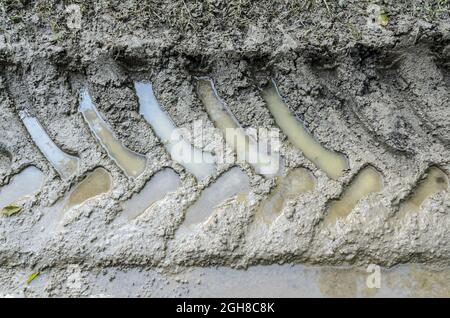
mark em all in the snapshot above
pixel 384 20
pixel 32 277
pixel 11 209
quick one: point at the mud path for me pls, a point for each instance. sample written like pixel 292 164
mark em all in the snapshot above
pixel 349 99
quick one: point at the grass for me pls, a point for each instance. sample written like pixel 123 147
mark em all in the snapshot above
pixel 429 10
pixel 196 15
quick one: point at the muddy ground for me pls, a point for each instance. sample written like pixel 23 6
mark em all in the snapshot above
pixel 379 95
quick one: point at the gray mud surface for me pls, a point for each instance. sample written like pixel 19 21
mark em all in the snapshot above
pixel 381 97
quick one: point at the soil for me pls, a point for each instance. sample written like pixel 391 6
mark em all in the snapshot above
pixel 380 96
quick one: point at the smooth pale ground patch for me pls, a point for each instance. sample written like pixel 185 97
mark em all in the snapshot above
pixel 316 281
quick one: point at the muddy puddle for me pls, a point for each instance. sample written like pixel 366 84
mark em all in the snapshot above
pixel 132 163
pixel 160 184
pixel 287 188
pixel 201 164
pixel 435 180
pixel 367 181
pixel 96 183
pixel 306 281
pixel 65 164
pixel 245 146
pixel 233 183
pixel 332 163
pixel 256 282
pixel 21 187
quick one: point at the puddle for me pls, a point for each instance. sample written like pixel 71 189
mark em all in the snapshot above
pixel 232 183
pixel 245 146
pixel 270 281
pixel 332 163
pixel 132 163
pixel 21 187
pixel 200 164
pixel 314 281
pixel 65 164
pixel 96 183
pixel 297 181
pixel 64 211
pixel 155 189
pixel 368 180
pixel 436 180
